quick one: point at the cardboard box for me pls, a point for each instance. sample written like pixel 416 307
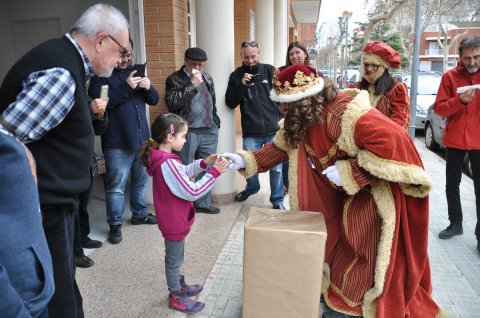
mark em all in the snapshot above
pixel 283 263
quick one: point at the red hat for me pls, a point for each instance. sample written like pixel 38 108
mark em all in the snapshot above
pixel 296 82
pixel 377 52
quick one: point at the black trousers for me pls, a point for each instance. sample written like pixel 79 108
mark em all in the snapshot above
pixel 58 223
pixel 82 221
pixel 455 159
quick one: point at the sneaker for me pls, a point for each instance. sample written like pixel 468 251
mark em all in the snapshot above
pixel 279 207
pixel 191 290
pixel 178 300
pixel 242 196
pixel 452 230
pixel 115 235
pixel 148 219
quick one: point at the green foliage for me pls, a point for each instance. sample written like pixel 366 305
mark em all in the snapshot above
pixel 381 32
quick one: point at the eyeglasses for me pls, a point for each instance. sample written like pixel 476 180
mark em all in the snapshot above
pixel 374 67
pixel 246 44
pixel 123 52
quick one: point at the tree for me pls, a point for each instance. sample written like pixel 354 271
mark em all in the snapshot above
pixel 383 11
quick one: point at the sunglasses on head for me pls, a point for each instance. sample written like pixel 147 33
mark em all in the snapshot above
pixel 246 44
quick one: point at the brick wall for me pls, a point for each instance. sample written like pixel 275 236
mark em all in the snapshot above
pixel 166 39
pixel 242 33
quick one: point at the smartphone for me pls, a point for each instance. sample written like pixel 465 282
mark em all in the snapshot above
pixel 104 93
pixel 140 68
pixel 255 78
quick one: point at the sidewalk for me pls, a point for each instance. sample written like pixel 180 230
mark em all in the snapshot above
pixel 128 279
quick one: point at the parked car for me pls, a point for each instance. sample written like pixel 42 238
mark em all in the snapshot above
pixel 434 126
pixel 428 84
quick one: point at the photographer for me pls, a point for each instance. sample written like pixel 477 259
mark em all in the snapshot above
pixel 249 86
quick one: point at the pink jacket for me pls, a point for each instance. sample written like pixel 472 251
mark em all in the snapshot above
pixel 174 192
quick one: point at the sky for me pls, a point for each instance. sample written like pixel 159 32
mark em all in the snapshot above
pixel 330 10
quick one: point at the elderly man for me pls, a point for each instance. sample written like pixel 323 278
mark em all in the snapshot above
pixel 462 112
pixel 44 99
pixel 190 93
pixel 249 86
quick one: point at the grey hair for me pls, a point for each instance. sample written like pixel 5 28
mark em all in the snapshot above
pixel 100 18
pixel 469 43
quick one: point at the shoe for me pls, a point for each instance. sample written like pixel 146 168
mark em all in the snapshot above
pixel 190 290
pixel 178 300
pixel 279 207
pixel 83 261
pixel 92 244
pixel 242 196
pixel 452 230
pixel 329 313
pixel 148 219
pixel 208 210
pixel 115 235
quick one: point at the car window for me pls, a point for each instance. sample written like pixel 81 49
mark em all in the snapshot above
pixel 428 84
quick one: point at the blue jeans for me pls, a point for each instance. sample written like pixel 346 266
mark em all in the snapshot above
pixel 276 182
pixel 119 164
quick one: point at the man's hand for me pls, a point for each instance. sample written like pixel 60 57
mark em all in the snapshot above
pixel 235 161
pixel 468 96
pixel 144 83
pixel 98 107
pixel 196 77
pixel 333 175
pixel 133 81
pixel 246 78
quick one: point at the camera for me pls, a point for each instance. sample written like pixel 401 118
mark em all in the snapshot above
pixel 255 78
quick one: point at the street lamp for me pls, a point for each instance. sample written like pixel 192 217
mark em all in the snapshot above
pixel 346 15
pixel 333 64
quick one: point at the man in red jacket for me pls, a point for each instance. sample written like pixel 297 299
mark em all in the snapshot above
pixel 461 134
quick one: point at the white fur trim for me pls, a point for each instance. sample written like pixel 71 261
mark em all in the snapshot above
pixel 290 98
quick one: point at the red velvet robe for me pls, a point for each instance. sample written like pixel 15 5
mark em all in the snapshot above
pixel 377 223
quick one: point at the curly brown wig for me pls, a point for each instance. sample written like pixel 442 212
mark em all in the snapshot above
pixel 306 112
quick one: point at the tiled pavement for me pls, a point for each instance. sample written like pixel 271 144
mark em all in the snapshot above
pixel 455 263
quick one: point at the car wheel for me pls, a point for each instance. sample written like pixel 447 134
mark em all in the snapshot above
pixel 430 142
pixel 467 167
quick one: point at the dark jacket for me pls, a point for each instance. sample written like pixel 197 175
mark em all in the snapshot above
pixel 180 92
pixel 128 127
pixel 26 273
pixel 260 115
pixel 63 154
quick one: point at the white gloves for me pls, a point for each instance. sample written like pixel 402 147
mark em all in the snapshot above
pixel 333 175
pixel 235 161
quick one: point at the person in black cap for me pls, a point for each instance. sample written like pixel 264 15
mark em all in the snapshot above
pixel 190 93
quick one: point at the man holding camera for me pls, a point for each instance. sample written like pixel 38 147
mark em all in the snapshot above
pixel 127 129
pixel 249 86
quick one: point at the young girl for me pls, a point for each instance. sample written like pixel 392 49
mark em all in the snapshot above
pixel 173 196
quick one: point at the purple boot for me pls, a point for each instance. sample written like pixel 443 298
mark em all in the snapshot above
pixel 179 300
pixel 191 290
